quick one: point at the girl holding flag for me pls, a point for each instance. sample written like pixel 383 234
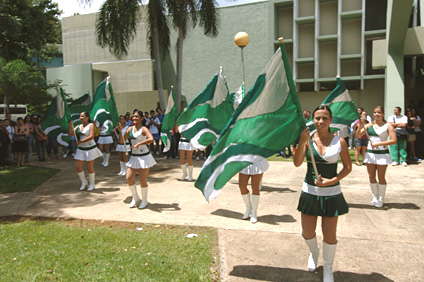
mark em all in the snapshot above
pixel 377 156
pixel 321 194
pixel 120 148
pixel 87 150
pixel 141 160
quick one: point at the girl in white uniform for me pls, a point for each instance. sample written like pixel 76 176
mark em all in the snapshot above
pixel 186 149
pixel 87 150
pixel 255 172
pixel 377 157
pixel 141 160
pixel 104 142
pixel 120 148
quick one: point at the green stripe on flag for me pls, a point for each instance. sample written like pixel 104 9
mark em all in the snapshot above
pixel 268 119
pixel 206 116
pixel 168 123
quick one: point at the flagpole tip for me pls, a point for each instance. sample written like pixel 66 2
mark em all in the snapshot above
pixel 281 40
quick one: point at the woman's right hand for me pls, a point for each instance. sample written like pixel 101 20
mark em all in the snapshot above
pixel 304 136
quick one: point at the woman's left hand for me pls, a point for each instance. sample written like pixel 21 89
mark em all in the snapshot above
pixel 375 144
pixel 79 143
pixel 323 182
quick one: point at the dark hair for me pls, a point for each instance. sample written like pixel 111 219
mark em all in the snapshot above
pixel 135 110
pixel 322 107
pixel 158 109
pixel 399 108
pixel 19 118
pixel 87 114
pixel 152 111
pixel 27 116
pixel 362 109
pixel 143 120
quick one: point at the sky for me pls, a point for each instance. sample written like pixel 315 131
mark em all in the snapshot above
pixel 70 7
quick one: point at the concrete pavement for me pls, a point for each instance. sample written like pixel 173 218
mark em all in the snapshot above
pixel 374 244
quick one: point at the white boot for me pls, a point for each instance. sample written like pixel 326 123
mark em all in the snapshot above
pixel 190 173
pixel 184 168
pixel 248 202
pixel 328 253
pixel 92 180
pixel 144 191
pixel 81 176
pixel 381 195
pixel 135 197
pixel 120 172
pixel 124 168
pixel 106 163
pixel 374 191
pixel 314 253
pixel 104 158
pixel 253 214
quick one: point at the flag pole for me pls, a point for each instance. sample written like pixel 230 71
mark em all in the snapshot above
pixel 125 145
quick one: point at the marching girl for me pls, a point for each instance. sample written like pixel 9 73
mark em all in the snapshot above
pixel 321 194
pixel 186 149
pixel 141 160
pixel 255 172
pixel 87 150
pixel 120 148
pixel 104 142
pixel 377 157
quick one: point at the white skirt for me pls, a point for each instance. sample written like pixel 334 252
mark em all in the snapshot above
pixel 378 159
pixel 105 140
pixel 186 146
pixel 121 148
pixel 88 155
pixel 256 168
pixel 141 162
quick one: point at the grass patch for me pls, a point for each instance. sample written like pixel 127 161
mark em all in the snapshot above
pixel 24 179
pixel 80 250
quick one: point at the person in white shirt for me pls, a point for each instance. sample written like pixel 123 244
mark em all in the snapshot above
pixel 399 122
pixel 153 124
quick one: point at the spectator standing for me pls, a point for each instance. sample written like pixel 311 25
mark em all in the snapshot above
pixel 11 132
pixel 414 122
pixel 399 122
pixel 4 142
pixel 30 136
pixel 153 124
pixel 20 145
pixel 40 141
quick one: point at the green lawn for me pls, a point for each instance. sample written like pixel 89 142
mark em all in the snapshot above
pixel 80 250
pixel 24 179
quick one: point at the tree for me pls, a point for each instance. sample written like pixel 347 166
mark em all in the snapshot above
pixel 116 27
pixel 183 13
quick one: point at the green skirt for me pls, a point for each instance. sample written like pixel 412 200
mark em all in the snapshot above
pixel 329 206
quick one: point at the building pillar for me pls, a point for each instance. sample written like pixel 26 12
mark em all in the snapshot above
pixel 398 14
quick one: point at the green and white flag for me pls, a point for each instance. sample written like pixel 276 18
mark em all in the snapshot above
pixel 168 123
pixel 238 96
pixel 269 118
pixel 103 109
pixel 206 116
pixel 342 108
pixel 56 120
pixel 78 106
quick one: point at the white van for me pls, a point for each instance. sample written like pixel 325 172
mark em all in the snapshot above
pixel 18 110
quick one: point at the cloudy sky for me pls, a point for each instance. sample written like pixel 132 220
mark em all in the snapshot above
pixel 70 7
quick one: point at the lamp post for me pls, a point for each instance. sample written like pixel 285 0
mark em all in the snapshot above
pixel 242 39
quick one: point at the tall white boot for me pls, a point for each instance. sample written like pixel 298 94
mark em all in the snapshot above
pixel 106 163
pixel 92 180
pixel 254 212
pixel 190 173
pixel 135 197
pixel 314 253
pixel 184 168
pixel 124 168
pixel 120 172
pixel 381 195
pixel 248 202
pixel 104 158
pixel 328 254
pixel 81 176
pixel 374 191
pixel 144 191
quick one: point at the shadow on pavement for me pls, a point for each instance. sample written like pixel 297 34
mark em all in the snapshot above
pixel 269 219
pixel 278 190
pixel 268 273
pixel 387 206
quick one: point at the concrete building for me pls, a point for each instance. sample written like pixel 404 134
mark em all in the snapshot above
pixel 376 46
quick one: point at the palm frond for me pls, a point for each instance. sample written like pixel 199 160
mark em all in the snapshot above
pixel 209 17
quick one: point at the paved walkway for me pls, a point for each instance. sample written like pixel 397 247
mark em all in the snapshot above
pixel 374 244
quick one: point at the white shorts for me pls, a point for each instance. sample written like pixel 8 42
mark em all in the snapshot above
pixel 256 168
pixel 87 155
pixel 141 162
pixel 105 140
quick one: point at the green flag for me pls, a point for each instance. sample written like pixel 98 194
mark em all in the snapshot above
pixel 168 123
pixel 103 109
pixel 269 118
pixel 56 120
pixel 238 96
pixel 342 108
pixel 78 106
pixel 206 116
